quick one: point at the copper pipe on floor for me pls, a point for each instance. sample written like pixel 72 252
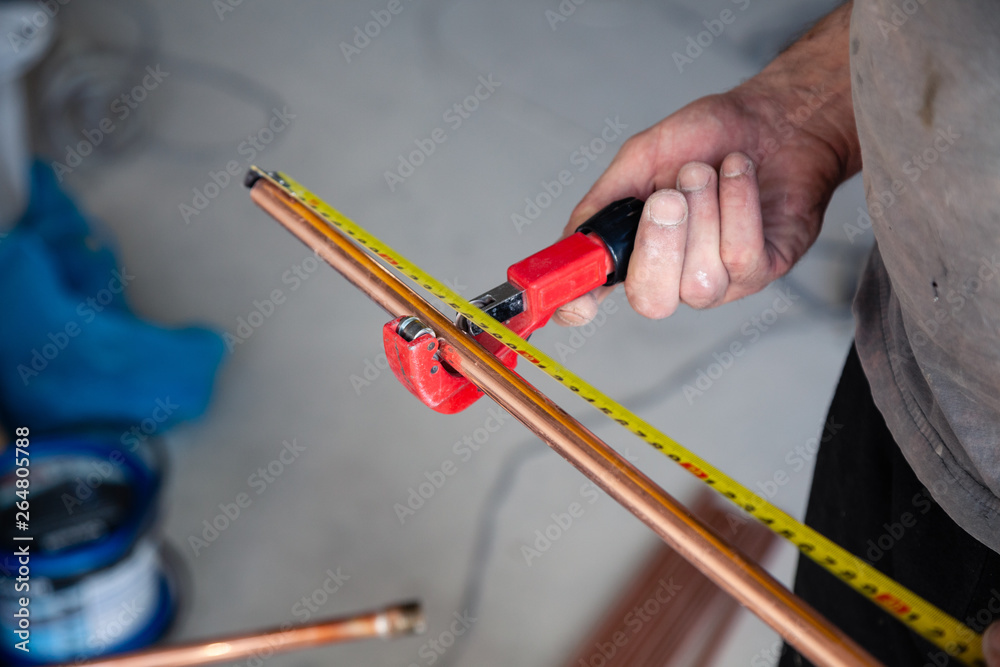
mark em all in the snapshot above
pixel 393 621
pixel 740 577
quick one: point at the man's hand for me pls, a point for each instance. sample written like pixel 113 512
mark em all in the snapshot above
pixel 991 645
pixel 735 184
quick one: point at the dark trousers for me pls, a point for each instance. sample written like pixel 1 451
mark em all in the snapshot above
pixel 866 498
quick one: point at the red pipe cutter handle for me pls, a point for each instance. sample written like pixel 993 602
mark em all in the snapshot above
pixel 597 254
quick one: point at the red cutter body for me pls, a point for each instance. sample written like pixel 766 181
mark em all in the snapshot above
pixel 536 287
pixel 547 280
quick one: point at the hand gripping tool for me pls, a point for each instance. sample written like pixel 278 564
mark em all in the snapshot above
pixel 596 254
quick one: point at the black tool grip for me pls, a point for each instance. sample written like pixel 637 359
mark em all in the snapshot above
pixel 616 224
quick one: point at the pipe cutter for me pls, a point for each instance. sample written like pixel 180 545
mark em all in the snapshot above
pixel 596 254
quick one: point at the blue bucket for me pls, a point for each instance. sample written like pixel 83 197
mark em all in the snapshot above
pixel 95 580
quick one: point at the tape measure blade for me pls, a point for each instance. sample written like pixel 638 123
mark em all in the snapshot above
pixel 919 615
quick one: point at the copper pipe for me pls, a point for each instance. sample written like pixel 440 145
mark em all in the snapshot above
pixel 752 586
pixel 398 620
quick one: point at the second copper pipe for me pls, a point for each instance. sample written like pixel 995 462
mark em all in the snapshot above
pixel 796 621
pixel 393 621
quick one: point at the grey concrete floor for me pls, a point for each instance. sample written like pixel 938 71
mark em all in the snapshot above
pixel 311 374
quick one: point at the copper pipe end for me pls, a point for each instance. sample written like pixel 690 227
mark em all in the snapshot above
pixel 402 619
pixel 394 621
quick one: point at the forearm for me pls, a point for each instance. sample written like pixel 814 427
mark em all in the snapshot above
pixel 808 86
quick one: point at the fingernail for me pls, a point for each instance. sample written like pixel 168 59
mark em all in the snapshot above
pixel 571 317
pixel 668 209
pixel 736 165
pixel 693 177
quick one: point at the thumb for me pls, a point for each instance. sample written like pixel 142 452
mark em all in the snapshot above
pixel 583 309
pixel 583 212
pixel 991 645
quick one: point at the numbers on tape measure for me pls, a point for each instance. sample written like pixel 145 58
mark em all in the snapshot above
pixel 924 618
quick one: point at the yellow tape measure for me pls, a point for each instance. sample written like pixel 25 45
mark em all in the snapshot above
pixel 953 637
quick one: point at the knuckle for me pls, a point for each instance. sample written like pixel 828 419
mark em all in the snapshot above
pixel 650 307
pixel 636 150
pixel 699 291
pixel 742 265
pixel 636 142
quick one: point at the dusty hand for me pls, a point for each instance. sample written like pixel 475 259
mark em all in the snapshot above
pixel 735 187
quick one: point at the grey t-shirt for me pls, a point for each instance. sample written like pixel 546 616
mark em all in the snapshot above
pixel 926 86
